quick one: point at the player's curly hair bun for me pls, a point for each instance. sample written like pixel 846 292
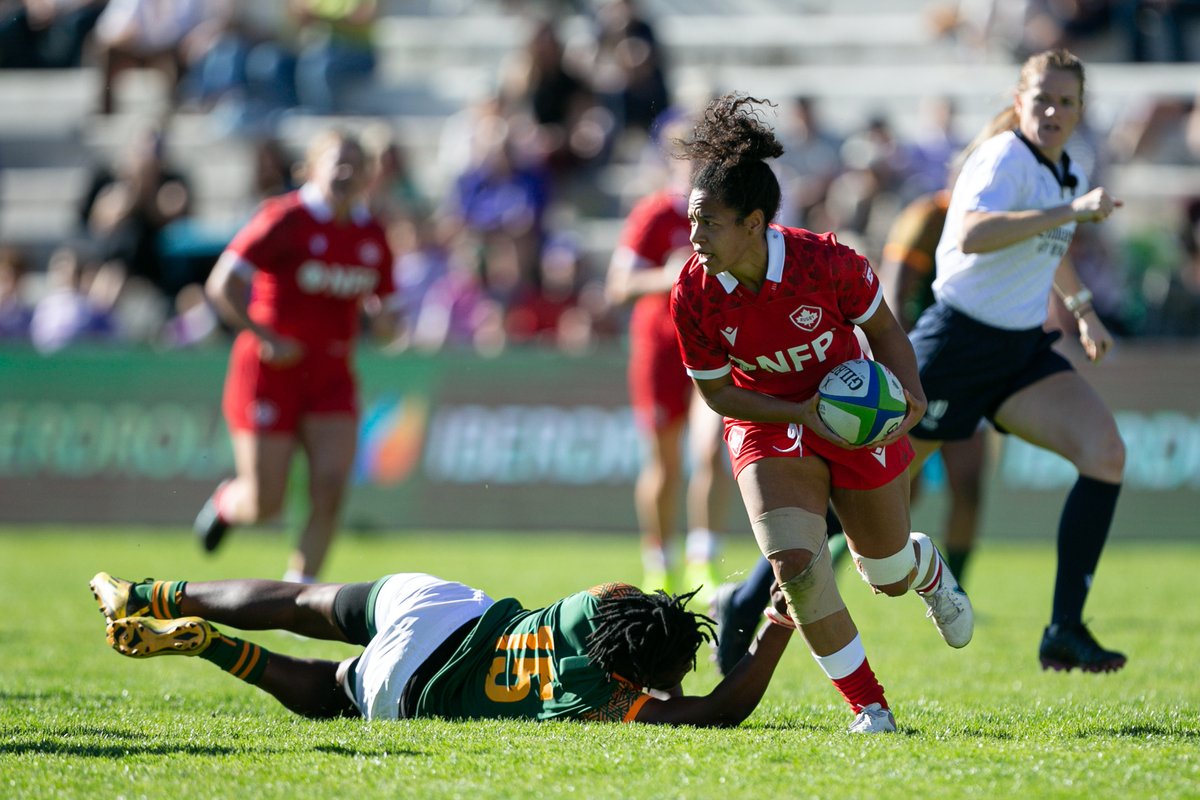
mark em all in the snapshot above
pixel 730 146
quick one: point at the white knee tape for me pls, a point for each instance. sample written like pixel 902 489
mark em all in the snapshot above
pixel 884 571
pixel 813 594
pixel 789 529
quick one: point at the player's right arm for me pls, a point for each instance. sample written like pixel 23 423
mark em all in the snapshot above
pixel 228 288
pixel 734 698
pixel 631 276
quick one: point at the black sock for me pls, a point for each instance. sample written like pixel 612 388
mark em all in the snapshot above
pixel 754 595
pixel 956 560
pixel 1082 532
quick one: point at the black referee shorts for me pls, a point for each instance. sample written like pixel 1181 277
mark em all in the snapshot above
pixel 968 369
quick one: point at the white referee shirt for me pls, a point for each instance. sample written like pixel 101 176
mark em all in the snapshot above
pixel 1006 288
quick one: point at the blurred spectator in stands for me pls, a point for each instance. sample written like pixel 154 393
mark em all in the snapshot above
pixel 573 130
pixel 1068 24
pixel 629 65
pixel 393 193
pixel 1158 131
pixel 124 213
pixel 45 34
pixel 75 306
pixel 809 163
pixel 194 322
pixel 1157 30
pixel 877 164
pixel 549 312
pixel 336 55
pixel 151 34
pixel 14 314
pixel 454 311
pixel 240 64
pixel 538 77
pixel 1170 279
pixel 419 263
pixel 499 202
pixel 935 146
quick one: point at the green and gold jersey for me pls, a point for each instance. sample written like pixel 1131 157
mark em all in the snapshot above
pixel 532 664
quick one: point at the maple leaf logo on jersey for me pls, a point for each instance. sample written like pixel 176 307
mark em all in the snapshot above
pixel 807 318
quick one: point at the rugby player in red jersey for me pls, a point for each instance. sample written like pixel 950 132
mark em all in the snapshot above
pixel 296 280
pixel 652 249
pixel 763 313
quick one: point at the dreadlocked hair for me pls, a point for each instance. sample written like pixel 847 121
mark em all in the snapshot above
pixel 639 635
pixel 730 145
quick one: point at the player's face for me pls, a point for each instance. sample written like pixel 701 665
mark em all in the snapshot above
pixel 339 172
pixel 718 239
pixel 671 677
pixel 1049 110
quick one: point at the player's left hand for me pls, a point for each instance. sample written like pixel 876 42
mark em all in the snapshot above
pixel 807 417
pixel 916 410
pixel 1094 337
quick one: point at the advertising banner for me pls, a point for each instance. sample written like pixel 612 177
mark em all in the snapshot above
pixel 527 440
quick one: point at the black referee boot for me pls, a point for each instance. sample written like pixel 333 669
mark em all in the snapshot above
pixel 1066 645
pixel 734 634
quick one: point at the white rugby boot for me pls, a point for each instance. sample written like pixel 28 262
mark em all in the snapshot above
pixel 947 601
pixel 873 719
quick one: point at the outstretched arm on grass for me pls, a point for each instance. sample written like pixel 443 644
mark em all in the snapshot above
pixel 734 698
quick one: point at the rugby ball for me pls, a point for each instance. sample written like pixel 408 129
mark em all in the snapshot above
pixel 861 401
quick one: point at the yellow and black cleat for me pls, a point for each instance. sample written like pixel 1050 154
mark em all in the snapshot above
pixel 113 595
pixel 143 637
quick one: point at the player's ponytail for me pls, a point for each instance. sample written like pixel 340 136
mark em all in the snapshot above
pixel 730 146
pixel 1007 120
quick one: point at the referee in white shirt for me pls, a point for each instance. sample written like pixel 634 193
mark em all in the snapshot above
pixel 981 348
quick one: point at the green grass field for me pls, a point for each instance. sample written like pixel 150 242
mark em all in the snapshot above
pixel 77 720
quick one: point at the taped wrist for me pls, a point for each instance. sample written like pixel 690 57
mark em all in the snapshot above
pixel 788 529
pixel 885 571
pixel 813 594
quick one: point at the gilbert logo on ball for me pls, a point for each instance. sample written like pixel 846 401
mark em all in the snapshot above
pixel 861 401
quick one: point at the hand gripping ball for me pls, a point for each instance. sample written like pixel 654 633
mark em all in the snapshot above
pixel 861 401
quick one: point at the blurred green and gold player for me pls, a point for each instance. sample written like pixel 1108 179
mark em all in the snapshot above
pixel 436 648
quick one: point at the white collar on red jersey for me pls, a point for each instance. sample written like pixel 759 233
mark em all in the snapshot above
pixel 317 206
pixel 775 258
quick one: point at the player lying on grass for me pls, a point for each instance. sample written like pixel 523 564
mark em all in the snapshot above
pixel 436 648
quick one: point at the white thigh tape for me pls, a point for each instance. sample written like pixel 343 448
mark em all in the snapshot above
pixel 884 571
pixel 789 529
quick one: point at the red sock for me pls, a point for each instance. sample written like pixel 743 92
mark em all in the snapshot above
pixel 860 688
pixel 933 581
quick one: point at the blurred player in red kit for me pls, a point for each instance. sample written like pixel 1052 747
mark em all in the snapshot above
pixel 296 280
pixel 652 249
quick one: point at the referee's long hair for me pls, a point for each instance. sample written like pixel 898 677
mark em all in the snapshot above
pixel 1006 120
pixel 638 636
pixel 729 147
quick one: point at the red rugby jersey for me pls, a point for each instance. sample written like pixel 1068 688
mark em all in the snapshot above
pixel 783 341
pixel 656 227
pixel 312 272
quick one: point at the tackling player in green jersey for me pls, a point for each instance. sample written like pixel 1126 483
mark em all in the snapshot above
pixel 435 648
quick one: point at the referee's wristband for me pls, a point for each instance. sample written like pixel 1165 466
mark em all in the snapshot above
pixel 782 620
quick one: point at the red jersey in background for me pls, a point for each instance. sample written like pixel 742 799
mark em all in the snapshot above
pixel 659 388
pixel 312 272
